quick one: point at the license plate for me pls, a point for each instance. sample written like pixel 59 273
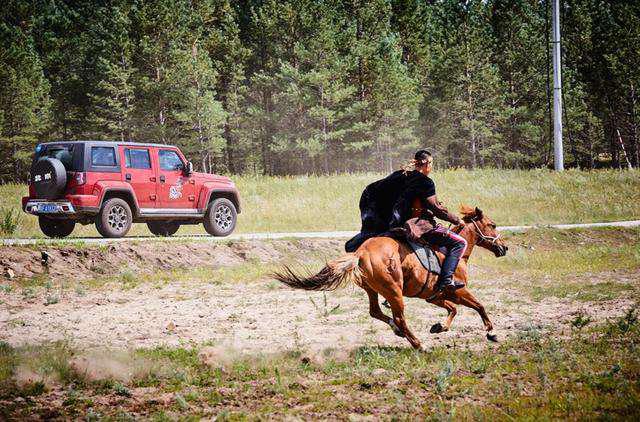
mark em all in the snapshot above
pixel 47 207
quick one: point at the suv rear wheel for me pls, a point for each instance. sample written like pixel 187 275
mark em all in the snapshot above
pixel 114 218
pixel 163 228
pixel 221 217
pixel 56 228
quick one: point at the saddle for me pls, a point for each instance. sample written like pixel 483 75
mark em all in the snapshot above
pixel 426 256
pixel 423 251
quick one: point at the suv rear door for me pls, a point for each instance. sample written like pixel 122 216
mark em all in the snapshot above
pixel 138 170
pixel 175 189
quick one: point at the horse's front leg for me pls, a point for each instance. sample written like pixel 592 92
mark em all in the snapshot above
pixel 464 297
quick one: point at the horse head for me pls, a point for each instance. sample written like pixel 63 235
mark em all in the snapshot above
pixel 485 229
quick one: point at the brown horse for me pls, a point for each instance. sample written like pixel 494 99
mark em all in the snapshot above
pixel 386 266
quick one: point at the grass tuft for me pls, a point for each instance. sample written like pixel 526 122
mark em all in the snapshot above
pixel 10 219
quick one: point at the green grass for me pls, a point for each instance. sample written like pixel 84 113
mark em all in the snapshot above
pixel 318 203
pixel 569 253
pixel 593 373
pixel 586 265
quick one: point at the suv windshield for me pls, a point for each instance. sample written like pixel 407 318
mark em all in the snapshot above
pixel 71 155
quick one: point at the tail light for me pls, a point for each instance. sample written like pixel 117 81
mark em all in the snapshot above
pixel 81 178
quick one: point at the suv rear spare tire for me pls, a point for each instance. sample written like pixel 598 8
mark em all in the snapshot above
pixel 114 218
pixel 49 178
pixel 56 228
pixel 221 217
pixel 163 228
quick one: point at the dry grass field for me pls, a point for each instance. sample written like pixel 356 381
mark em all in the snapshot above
pixel 325 203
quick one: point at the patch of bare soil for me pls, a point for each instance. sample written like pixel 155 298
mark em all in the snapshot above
pixel 257 316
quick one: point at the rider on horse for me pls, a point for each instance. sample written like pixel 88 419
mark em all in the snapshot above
pixel 389 203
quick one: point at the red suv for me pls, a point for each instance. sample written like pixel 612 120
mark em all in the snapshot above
pixel 114 184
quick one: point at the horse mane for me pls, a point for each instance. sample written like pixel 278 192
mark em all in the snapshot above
pixel 468 213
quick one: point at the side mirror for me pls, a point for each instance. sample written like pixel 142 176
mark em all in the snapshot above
pixel 188 168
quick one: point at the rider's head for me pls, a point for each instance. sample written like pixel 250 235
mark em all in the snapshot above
pixel 423 161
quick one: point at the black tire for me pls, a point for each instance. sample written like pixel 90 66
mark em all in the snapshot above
pixel 163 228
pixel 55 228
pixel 49 178
pixel 221 217
pixel 114 218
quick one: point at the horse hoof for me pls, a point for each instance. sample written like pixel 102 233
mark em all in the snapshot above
pixel 492 337
pixel 436 328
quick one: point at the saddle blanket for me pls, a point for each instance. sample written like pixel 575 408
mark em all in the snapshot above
pixel 426 256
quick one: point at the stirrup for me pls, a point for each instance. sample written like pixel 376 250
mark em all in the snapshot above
pixel 454 285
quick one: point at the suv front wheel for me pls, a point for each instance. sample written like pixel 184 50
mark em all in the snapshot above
pixel 221 216
pixel 115 218
pixel 56 228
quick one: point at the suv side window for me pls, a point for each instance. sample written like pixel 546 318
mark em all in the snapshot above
pixel 169 160
pixel 137 158
pixel 71 155
pixel 103 156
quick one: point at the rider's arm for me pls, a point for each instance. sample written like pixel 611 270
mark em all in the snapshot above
pixel 440 211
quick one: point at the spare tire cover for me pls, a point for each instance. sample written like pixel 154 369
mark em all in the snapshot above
pixel 49 178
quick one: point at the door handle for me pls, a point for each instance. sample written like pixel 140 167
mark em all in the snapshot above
pixel 152 197
pixel 127 177
pixel 192 197
pixel 193 182
pixel 152 179
pixel 162 179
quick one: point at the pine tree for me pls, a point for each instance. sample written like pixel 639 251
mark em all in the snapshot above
pixel 113 102
pixel 24 102
pixel 466 109
pixel 200 115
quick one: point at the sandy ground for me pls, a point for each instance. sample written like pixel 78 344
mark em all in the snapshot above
pixel 264 317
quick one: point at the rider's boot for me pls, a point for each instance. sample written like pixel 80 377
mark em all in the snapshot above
pixel 448 284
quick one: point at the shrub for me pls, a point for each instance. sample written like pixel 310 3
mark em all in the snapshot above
pixel 9 221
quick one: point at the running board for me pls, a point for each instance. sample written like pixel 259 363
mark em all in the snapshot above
pixel 171 212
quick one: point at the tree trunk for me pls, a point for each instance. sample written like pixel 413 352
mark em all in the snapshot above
pixel 624 151
pixel 471 117
pixel 161 116
pixel 634 128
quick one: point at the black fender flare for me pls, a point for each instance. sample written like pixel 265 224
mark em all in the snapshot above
pixel 229 193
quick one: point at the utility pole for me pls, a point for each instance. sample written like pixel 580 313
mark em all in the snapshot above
pixel 558 158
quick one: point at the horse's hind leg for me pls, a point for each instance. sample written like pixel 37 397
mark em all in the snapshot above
pixel 397 307
pixel 376 312
pixel 464 297
pixel 386 279
pixel 451 313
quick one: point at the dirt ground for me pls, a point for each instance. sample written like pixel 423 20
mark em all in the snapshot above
pixel 255 316
pixel 82 262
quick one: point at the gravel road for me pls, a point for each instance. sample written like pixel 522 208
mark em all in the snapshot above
pixel 291 235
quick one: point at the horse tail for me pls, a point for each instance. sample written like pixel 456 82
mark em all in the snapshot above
pixel 335 274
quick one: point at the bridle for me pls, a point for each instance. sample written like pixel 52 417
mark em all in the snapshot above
pixel 490 239
pixel 483 237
